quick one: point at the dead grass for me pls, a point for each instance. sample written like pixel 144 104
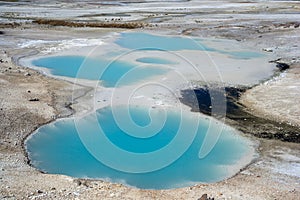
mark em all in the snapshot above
pixel 9 25
pixel 53 22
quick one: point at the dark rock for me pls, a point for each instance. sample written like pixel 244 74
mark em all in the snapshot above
pixel 81 182
pixel 40 192
pixel 34 99
pixel 78 182
pixel 1 32
pixel 282 66
pixel 204 197
pixel 267 49
pixel 275 61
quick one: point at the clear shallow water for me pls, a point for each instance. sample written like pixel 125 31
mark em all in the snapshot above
pixel 110 71
pixel 134 40
pixel 153 60
pixel 58 148
pixel 97 69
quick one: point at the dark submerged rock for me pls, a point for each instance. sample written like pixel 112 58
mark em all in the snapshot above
pixel 202 98
pixel 237 115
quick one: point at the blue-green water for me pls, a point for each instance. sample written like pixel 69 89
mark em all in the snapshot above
pixel 144 41
pixel 152 60
pixel 135 40
pixel 110 70
pixel 60 148
pixel 97 69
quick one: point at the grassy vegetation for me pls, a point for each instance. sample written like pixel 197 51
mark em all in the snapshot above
pixel 54 22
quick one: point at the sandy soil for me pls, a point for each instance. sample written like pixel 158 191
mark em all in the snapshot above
pixel 264 25
pixel 286 83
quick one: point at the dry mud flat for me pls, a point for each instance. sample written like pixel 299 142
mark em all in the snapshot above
pixel 29 99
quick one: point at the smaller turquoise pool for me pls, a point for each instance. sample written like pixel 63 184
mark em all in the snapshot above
pixel 110 69
pixel 145 41
pixel 111 73
pixel 96 146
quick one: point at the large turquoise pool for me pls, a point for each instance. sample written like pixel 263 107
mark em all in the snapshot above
pixel 79 149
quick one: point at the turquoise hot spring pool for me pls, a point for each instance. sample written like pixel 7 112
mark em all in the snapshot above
pixel 157 148
pixel 77 148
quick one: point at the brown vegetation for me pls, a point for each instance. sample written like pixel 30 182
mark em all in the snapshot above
pixel 53 22
pixel 9 25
